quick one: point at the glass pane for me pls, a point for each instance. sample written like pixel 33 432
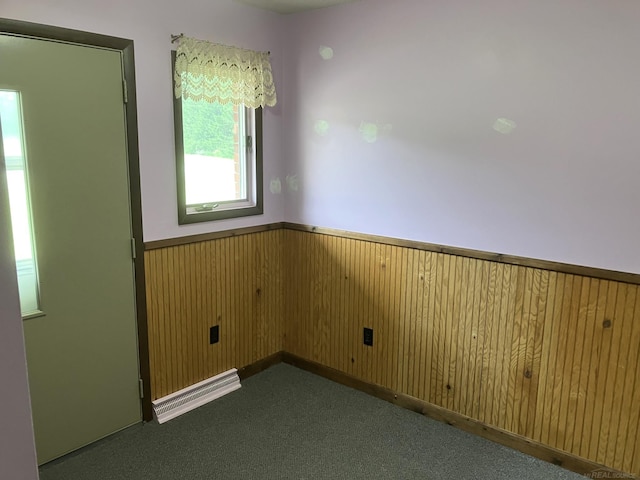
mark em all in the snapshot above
pixel 214 160
pixel 12 142
pixel 19 214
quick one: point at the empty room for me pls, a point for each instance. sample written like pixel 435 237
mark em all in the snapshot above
pixel 319 239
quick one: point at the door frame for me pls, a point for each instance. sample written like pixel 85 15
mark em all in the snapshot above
pixel 78 37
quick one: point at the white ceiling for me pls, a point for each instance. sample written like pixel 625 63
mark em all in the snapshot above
pixel 292 6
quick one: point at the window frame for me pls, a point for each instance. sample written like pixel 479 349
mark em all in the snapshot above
pixel 254 174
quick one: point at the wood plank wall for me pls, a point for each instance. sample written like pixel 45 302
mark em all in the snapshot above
pixel 233 282
pixel 547 355
pixel 551 356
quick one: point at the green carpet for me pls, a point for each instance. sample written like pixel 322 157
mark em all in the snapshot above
pixel 285 423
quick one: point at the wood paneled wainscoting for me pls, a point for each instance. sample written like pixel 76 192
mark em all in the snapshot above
pixel 537 355
pixel 540 353
pixel 230 280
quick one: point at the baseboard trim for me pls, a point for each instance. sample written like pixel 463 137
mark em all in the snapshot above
pixel 511 440
pixel 260 365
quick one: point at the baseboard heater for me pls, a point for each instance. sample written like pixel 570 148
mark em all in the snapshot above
pixel 187 399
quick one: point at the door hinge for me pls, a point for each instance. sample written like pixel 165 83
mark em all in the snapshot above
pixel 133 248
pixel 249 142
pixel 125 91
pixel 141 387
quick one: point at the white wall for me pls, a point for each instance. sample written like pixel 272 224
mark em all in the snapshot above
pixel 434 76
pixel 150 23
pixel 17 448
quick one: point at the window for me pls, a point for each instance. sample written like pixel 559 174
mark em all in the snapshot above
pixel 219 93
pixel 19 205
pixel 218 160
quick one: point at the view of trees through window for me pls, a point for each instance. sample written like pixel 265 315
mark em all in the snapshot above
pixel 210 139
pixel 208 128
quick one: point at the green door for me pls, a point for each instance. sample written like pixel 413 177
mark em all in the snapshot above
pixel 82 352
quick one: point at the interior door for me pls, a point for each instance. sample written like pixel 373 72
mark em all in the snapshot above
pixel 82 352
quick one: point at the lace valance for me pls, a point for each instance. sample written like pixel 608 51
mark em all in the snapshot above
pixel 219 73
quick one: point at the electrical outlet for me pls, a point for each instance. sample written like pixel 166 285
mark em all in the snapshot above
pixel 368 336
pixel 214 334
